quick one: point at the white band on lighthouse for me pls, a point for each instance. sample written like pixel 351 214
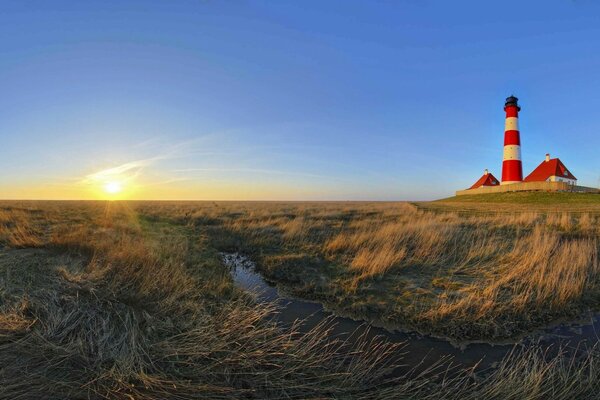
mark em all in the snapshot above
pixel 511 124
pixel 509 182
pixel 512 152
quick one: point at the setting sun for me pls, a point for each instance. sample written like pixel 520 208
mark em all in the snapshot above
pixel 113 187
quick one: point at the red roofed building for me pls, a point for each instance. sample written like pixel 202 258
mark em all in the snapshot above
pixel 551 170
pixel 486 179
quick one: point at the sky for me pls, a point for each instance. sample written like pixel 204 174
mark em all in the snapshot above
pixel 289 100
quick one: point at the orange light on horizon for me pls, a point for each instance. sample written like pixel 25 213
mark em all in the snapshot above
pixel 114 183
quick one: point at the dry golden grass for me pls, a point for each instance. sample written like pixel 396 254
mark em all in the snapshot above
pixel 130 300
pixel 16 230
pixel 455 268
pixel 145 310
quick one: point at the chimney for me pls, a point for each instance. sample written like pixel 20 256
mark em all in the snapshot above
pixel 547 157
pixel 485 171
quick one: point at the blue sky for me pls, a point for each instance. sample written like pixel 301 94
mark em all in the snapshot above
pixel 387 100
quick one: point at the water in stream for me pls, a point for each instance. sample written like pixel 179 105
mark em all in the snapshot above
pixel 420 349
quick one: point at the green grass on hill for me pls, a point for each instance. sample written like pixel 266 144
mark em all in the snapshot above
pixel 547 198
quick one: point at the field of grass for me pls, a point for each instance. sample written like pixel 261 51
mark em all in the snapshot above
pixel 129 300
pixel 460 275
pixel 98 301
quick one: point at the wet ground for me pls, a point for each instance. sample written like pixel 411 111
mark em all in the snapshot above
pixel 420 350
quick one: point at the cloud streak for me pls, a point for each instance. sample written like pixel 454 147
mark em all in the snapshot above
pixel 254 170
pixel 127 171
pixel 133 169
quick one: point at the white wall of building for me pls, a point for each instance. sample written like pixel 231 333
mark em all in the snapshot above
pixel 555 178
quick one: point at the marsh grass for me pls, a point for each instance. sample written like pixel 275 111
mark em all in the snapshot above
pixel 16 230
pixel 149 312
pixel 456 270
pixel 131 301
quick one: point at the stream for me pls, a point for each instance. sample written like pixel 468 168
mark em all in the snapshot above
pixel 420 350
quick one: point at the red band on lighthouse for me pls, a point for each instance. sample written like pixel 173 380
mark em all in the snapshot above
pixel 511 137
pixel 512 169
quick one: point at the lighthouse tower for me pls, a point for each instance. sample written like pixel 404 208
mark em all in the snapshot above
pixel 512 169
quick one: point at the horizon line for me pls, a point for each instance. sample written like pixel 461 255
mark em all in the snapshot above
pixel 223 200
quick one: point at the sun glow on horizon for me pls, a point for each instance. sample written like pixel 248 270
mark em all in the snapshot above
pixel 116 183
pixel 113 187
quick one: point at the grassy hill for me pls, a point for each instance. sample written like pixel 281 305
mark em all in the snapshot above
pixel 528 198
pixel 544 202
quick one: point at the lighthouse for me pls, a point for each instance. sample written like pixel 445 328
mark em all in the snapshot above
pixel 551 175
pixel 512 169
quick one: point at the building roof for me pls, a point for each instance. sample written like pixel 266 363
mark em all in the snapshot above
pixel 552 167
pixel 486 180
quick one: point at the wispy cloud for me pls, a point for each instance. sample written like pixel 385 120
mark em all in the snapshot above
pixel 165 182
pixel 144 172
pixel 254 170
pixel 133 169
pixel 127 171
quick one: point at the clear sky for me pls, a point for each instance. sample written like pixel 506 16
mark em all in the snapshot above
pixel 289 100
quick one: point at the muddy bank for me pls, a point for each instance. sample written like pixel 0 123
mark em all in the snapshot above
pixel 420 349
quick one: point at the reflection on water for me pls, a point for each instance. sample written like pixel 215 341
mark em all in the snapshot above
pixel 420 349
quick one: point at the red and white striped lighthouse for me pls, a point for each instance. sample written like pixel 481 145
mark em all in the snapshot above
pixel 512 169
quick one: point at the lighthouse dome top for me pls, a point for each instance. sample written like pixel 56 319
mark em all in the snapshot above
pixel 512 101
